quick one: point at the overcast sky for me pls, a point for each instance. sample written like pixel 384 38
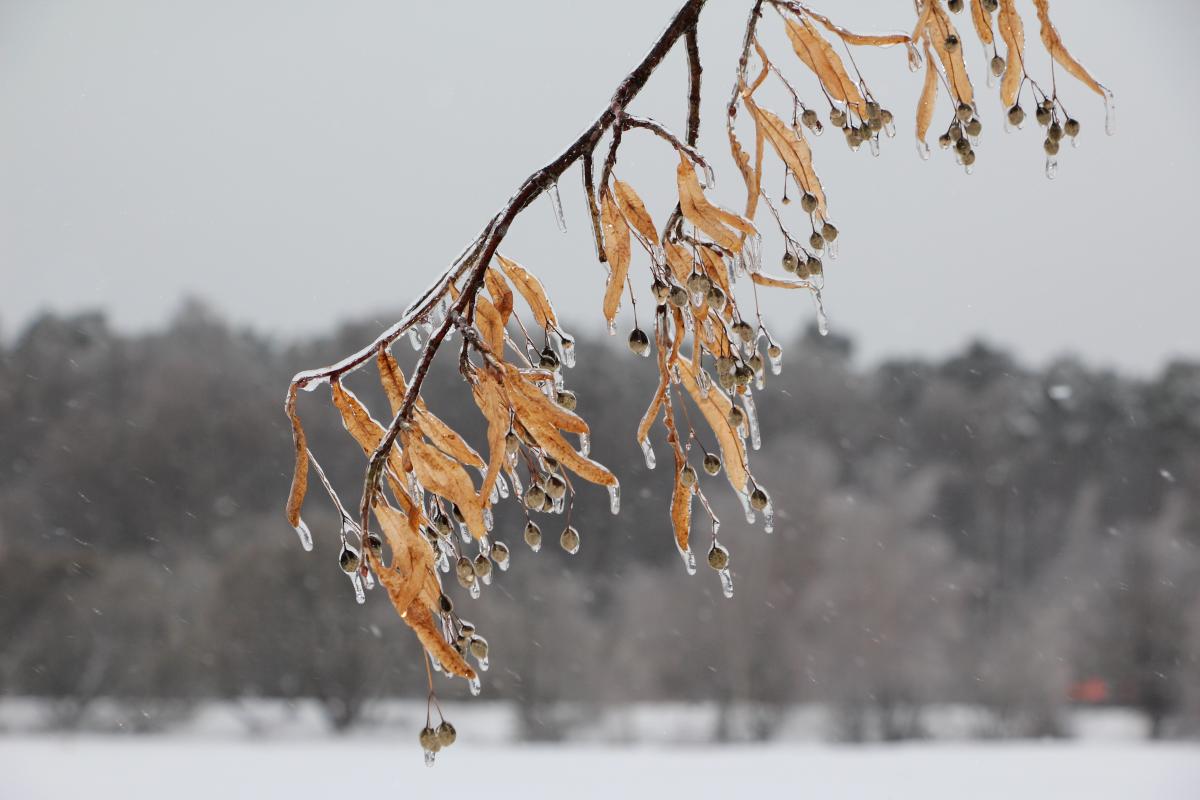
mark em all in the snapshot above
pixel 275 157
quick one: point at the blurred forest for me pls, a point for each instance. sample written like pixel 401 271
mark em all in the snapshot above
pixel 967 531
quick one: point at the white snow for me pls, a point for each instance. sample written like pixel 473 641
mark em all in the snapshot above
pixel 182 768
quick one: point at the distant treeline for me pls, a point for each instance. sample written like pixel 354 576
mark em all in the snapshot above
pixel 969 530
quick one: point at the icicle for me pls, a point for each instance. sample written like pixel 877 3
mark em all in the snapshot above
pixel 689 559
pixel 914 57
pixel 487 581
pixel 760 380
pixel 559 504
pixel 518 489
pixel 475 590
pixel 501 485
pixel 710 177
pixel 414 338
pixel 923 150
pixel 832 250
pixel 305 536
pixel 612 327
pixel 556 201
pixel 1110 113
pixel 726 582
pixel 775 359
pixel 768 513
pixel 568 351
pixel 369 580
pixel 464 533
pixel 873 143
pixel 1051 167
pixel 483 663
pixel 648 452
pixel 430 755
pixel 505 564
pixel 822 319
pixel 614 497
pixel 360 597
pixel 746 507
pixel 585 444
pixel 703 382
pixel 752 418
pixel 475 686
pixel 488 520
pixel 889 128
pixel 443 562
pixel 485 545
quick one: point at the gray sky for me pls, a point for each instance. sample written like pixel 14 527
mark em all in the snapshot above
pixel 275 157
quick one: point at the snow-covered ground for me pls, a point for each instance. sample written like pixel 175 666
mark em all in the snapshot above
pixel 186 768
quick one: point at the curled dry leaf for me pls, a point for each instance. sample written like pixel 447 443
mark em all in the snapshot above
pixel 922 27
pixel 445 477
pixel 363 428
pixel 772 282
pixel 441 434
pixel 635 211
pixel 421 620
pixel 411 576
pixel 819 56
pixel 502 296
pixel 616 248
pixel 1012 31
pixel 720 225
pixel 532 290
pixel 524 395
pixel 666 355
pixel 983 22
pixel 1058 51
pixel 928 102
pixel 679 260
pixel 868 40
pixel 493 404
pixel 681 505
pixel 491 325
pixel 941 29
pixel 300 471
pixel 793 150
pixel 715 405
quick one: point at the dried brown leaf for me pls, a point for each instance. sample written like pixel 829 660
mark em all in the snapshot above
pixel 411 575
pixel 445 477
pixel 421 621
pixel 300 471
pixel 489 396
pixel 1012 31
pixel 616 248
pixel 983 22
pixel 490 324
pixel 679 260
pixel 536 404
pixel 715 405
pixel 441 434
pixel 762 279
pixel 941 28
pixel 928 102
pixel 635 211
pixel 868 40
pixel 532 290
pixel 681 507
pixel 502 296
pixel 819 56
pixel 1054 44
pixel 720 225
pixel 793 150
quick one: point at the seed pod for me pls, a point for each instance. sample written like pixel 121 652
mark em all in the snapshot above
pixel 990 6
pixel 755 363
pixel 955 5
pixel 712 463
pixel 550 462
pixel 810 120
pixel 465 572
pixel 775 352
pixel 875 124
pixel 445 604
pixel 718 556
pixel 743 375
pixel 687 476
pixel 1055 132
pixel 456 514
pixel 569 540
pixel 441 524
pixel 547 504
pixel 974 127
pixel 968 158
pixel 567 399
pixel 854 137
pixel 698 284
pixel 446 735
pixel 744 331
pixel 808 202
pixel 758 499
pixel 511 443
pixel 887 117
pixel 815 266
pixel 533 535
pixel 965 112
pixel 1043 116
pixel 1050 146
pixel 660 291
pixel 837 117
pixel 962 146
pixel 1047 104
pixel 478 647
pixel 678 297
pixel 429 740
pixel 951 43
pixel 639 342
pixel 534 497
pixel 944 141
pixel 816 241
pixel 955 133
pixel 829 232
pixel 500 553
pixel 482 565
pixel 549 359
pixel 348 560
pixel 467 629
pixel 789 262
pixel 1016 115
pixel 716 298
pixel 998 64
pixel 725 381
pixel 1072 128
pixel 736 417
pixel 375 545
pixel 726 365
pixel 555 487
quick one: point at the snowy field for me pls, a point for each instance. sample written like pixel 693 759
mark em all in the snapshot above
pixel 181 768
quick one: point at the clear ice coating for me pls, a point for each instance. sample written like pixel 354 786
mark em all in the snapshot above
pixel 305 536
pixel 360 596
pixel 752 418
pixel 414 338
pixel 648 452
pixel 474 590
pixel 585 444
pixel 430 756
pixel 873 143
pixel 483 663
pixel 689 559
pixel 745 498
pixel 556 201
pixel 923 150
pixel 1051 167
pixel 703 382
pixel 488 519
pixel 501 485
pixel 1110 113
pixel 726 582
pixel 475 686
pixel 568 351
pixel 614 498
pixel 776 360
pixel 822 318
pixel 769 518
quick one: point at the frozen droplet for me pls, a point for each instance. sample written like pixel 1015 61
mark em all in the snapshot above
pixel 832 250
pixel 585 444
pixel 769 518
pixel 369 580
pixel 923 150
pixel 1051 167
pixel 414 338
pixel 726 582
pixel 488 520
pixel 485 545
pixel 614 497
pixel 710 177
pixel 873 143
pixel 1110 113
pixel 689 559
pixel 505 564
pixel 305 536
pixel 822 318
pixel 648 452
pixel 475 590
pixel 518 489
pixel 430 756
pixel 464 533
pixel 556 201
pixel 746 507
pixel 360 596
pixel 914 57
pixel 752 419
pixel 889 129
pixel 775 359
pixel 568 351
pixel 487 581
pixel 475 686
pixel 501 486
pixel 483 663
pixel 612 327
